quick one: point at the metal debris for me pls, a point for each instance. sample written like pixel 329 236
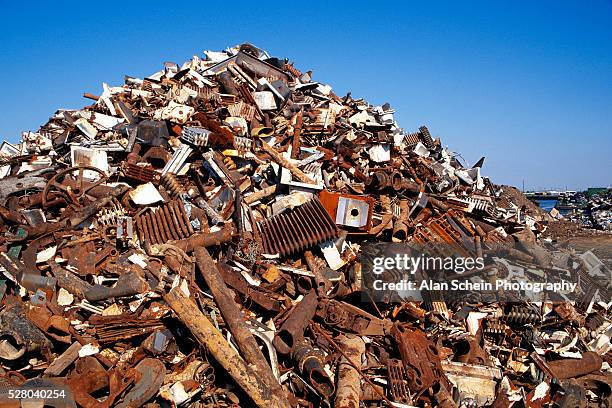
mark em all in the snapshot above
pixel 200 237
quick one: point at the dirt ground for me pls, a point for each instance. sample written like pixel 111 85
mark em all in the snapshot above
pixel 572 235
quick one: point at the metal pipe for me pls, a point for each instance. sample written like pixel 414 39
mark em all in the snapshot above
pixel 575 367
pixel 207 335
pixel 233 317
pixel 310 363
pixel 400 227
pixel 349 382
pixel 205 239
pixel 293 328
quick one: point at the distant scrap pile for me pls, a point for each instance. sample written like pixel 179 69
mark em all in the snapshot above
pixel 194 239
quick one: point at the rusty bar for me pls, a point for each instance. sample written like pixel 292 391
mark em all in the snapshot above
pixel 233 317
pixel 295 324
pixel 225 234
pixel 575 367
pixel 207 335
pixel 349 382
pixel 277 157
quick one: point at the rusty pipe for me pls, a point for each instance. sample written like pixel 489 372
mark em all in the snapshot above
pixel 232 315
pixel 213 216
pixel 349 382
pixel 258 195
pixel 69 281
pixel 310 363
pixel 127 285
pixel 225 234
pixel 304 284
pixel 323 284
pixel 293 327
pixel 400 227
pixel 575 367
pixel 208 336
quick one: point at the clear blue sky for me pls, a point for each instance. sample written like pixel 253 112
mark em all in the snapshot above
pixel 526 84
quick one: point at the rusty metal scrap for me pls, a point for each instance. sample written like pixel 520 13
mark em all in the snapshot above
pixel 168 222
pixel 199 238
pixel 298 229
pixel 294 325
pixel 398 381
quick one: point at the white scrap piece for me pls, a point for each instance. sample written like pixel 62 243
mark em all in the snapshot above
pixel 105 99
pixel 215 56
pixel 601 344
pixel 324 89
pixel 138 259
pixel 250 278
pixel 473 321
pixel 5 171
pixel 265 100
pixel 64 298
pixel 8 150
pixel 332 255
pixel 176 393
pixel 105 122
pixel 88 350
pixel 420 149
pixel 380 153
pixel 83 156
pixel 175 112
pixel 177 165
pixel 541 391
pixel 145 194
pixel 87 128
pixel 46 254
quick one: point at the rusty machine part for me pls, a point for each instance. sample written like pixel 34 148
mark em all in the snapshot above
pixel 310 362
pixel 18 334
pixel 298 229
pixel 172 185
pixel 347 317
pixel 398 381
pixel 165 223
pixel 294 325
pixel 73 188
pixel 421 359
pixel 144 173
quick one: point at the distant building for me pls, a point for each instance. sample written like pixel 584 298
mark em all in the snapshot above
pixel 591 191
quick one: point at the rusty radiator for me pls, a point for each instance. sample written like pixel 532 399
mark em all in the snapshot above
pixel 144 174
pixel 446 232
pixel 168 222
pixel 297 229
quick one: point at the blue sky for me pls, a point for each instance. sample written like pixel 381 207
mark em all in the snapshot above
pixel 526 84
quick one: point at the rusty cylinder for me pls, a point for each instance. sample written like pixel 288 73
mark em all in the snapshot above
pixel 293 328
pixel 349 381
pixel 310 363
pixel 575 367
pixel 400 227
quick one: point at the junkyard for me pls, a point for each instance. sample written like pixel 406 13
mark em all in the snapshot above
pixel 200 238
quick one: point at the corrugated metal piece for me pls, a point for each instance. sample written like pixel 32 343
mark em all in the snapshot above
pixel 297 229
pixel 144 174
pixel 168 222
pixel 178 159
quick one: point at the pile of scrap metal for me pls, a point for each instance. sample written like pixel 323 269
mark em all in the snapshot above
pixel 594 212
pixel 193 239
